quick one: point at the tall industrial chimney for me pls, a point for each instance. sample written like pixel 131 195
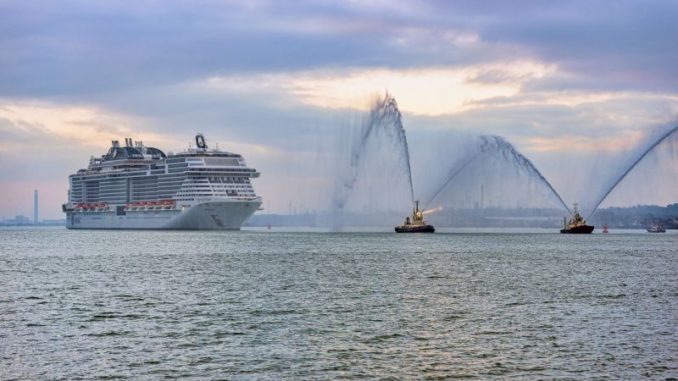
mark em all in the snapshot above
pixel 35 206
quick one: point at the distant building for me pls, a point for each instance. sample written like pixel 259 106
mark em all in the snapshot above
pixel 54 222
pixel 18 220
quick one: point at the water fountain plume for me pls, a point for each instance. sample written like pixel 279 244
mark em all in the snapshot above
pixel 376 173
pixel 453 173
pixel 634 163
pixel 381 131
pixel 490 145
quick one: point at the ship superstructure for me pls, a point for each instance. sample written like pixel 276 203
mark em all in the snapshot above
pixel 576 224
pixel 139 187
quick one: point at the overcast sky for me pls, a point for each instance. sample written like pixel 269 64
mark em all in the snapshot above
pixel 275 80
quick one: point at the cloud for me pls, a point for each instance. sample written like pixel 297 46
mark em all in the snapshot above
pixel 578 144
pixel 423 91
pixel 75 49
pixel 43 126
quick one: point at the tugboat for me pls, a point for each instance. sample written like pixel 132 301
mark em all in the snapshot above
pixel 416 224
pixel 576 225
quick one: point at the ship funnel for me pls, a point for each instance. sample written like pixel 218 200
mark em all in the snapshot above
pixel 200 141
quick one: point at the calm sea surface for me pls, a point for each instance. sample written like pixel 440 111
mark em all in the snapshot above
pixel 255 305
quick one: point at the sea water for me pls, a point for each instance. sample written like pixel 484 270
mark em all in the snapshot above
pixel 254 305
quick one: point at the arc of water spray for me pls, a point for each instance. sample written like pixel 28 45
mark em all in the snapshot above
pixel 407 163
pixel 531 168
pixel 356 155
pixel 358 152
pixel 504 147
pixel 451 177
pixel 623 175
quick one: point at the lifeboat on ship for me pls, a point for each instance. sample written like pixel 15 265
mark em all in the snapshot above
pixel 168 204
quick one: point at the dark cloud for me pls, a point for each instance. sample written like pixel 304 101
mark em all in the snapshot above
pixel 623 44
pixel 74 47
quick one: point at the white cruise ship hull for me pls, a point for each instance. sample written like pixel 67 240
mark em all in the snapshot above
pixel 211 215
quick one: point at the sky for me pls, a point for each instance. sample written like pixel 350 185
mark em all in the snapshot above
pixel 564 81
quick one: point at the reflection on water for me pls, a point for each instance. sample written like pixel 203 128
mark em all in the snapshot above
pixel 271 305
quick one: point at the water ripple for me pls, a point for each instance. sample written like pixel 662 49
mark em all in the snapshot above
pixel 251 306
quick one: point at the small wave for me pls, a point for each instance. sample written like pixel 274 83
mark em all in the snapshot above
pixel 222 334
pixel 272 312
pixel 498 369
pixel 201 360
pixel 111 377
pixel 129 298
pixel 104 315
pixel 515 304
pixel 603 296
pixel 454 377
pixel 188 345
pixel 453 317
pixel 109 333
pixel 381 338
pixel 532 369
pixel 618 296
pixel 336 368
pixel 493 333
pixel 113 315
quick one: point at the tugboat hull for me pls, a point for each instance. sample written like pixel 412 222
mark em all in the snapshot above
pixel 582 229
pixel 415 229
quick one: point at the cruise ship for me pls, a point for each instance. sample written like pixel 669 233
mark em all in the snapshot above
pixel 139 187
